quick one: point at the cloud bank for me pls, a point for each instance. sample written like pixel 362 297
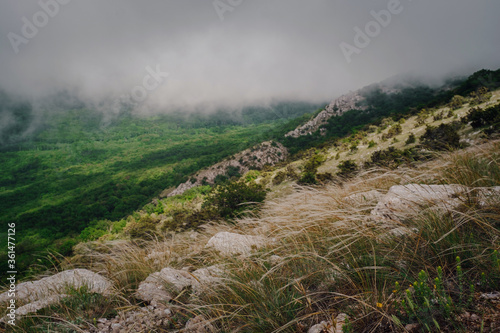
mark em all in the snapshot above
pixel 235 52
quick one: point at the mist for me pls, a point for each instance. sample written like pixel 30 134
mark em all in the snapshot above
pixel 168 55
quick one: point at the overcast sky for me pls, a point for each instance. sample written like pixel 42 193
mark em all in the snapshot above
pixel 236 51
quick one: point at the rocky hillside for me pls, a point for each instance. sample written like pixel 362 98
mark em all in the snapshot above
pixel 265 153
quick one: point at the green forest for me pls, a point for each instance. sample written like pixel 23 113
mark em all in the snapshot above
pixel 78 167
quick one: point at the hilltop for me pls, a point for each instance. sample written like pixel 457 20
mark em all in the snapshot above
pixel 380 214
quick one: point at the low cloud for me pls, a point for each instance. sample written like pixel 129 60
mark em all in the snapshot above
pixel 100 51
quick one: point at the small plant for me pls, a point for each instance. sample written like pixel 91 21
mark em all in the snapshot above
pixel 411 139
pixel 308 175
pixel 347 327
pixel 371 144
pixel 347 169
pixel 424 303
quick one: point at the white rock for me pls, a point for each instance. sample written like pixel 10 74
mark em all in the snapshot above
pixel 340 321
pixel 49 290
pixel 404 199
pixel 58 284
pixel 198 324
pixel 161 286
pixel 323 327
pixel 228 243
pixel 205 279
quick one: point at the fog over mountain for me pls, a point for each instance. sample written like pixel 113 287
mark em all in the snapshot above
pixel 235 52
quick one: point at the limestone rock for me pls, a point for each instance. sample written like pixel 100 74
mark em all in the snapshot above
pixel 161 286
pixel 205 279
pixel 164 285
pixel 329 327
pixel 404 199
pixel 340 105
pixel 58 284
pixel 228 243
pixel 49 290
pixel 199 324
pixel 323 327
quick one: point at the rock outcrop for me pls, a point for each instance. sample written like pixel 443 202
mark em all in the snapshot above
pixel 342 104
pixel 164 285
pixel 228 243
pixel 49 290
pixel 266 153
pixel 401 200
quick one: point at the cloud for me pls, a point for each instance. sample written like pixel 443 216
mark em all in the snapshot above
pixel 260 51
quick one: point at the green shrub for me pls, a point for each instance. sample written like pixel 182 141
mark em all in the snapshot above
pixel 279 178
pixel 183 220
pixel 443 137
pixel 481 118
pixel 308 175
pixel 347 169
pixel 392 157
pixel 411 139
pixel 145 228
pixel 231 199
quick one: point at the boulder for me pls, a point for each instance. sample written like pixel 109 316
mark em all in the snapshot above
pixel 49 290
pixel 205 279
pixel 163 285
pixel 228 243
pixel 58 284
pixel 323 327
pixel 329 327
pixel 403 199
pixel 198 324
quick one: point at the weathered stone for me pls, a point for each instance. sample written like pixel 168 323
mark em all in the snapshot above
pixel 49 290
pixel 228 243
pixel 58 284
pixel 323 327
pixel 164 285
pixel 161 286
pixel 404 199
pixel 205 279
pixel 199 324
pixel 340 321
pixel 336 108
